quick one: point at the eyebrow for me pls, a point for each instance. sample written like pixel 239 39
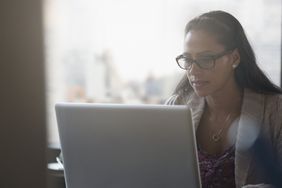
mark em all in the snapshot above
pixel 200 53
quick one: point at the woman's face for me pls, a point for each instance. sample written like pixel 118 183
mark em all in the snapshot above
pixel 208 82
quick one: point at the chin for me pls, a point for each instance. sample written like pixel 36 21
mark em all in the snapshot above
pixel 201 93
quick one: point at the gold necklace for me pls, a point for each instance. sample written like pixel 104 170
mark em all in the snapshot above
pixel 217 136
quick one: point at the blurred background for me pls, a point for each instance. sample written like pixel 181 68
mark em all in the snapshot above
pixel 123 51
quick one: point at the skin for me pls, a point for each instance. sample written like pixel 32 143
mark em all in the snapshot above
pixel 222 95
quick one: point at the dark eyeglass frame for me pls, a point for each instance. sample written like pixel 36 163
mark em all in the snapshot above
pixel 212 57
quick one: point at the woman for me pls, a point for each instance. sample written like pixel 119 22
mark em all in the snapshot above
pixel 235 108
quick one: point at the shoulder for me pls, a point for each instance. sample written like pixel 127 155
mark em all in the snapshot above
pixel 273 103
pixel 274 98
pixel 172 100
pixel 273 116
pixel 270 102
pixel 184 98
pixel 265 108
pixel 176 99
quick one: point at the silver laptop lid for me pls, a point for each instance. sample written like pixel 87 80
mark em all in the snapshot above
pixel 127 146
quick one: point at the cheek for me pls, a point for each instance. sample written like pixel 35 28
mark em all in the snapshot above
pixel 221 76
pixel 189 76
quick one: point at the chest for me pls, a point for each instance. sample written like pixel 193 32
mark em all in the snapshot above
pixel 216 137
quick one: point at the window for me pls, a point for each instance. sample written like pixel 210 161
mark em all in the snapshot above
pixel 123 50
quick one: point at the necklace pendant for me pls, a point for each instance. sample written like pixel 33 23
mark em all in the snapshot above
pixel 215 138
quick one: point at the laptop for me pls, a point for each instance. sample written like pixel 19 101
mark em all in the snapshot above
pixel 127 146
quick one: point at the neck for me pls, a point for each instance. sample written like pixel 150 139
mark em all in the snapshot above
pixel 225 102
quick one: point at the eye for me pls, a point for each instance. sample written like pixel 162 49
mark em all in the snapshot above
pixel 205 59
pixel 205 62
pixel 187 58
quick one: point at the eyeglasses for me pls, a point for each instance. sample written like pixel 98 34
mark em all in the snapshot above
pixel 204 62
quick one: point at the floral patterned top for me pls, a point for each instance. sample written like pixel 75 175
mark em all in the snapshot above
pixel 217 171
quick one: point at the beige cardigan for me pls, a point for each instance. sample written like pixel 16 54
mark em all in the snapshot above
pixel 263 114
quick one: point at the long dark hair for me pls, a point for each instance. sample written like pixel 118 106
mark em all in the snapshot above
pixel 230 33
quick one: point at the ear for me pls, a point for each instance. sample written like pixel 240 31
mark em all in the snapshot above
pixel 236 58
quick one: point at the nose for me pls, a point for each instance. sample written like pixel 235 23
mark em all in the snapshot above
pixel 195 69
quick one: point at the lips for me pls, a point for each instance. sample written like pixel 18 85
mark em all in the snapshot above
pixel 199 83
